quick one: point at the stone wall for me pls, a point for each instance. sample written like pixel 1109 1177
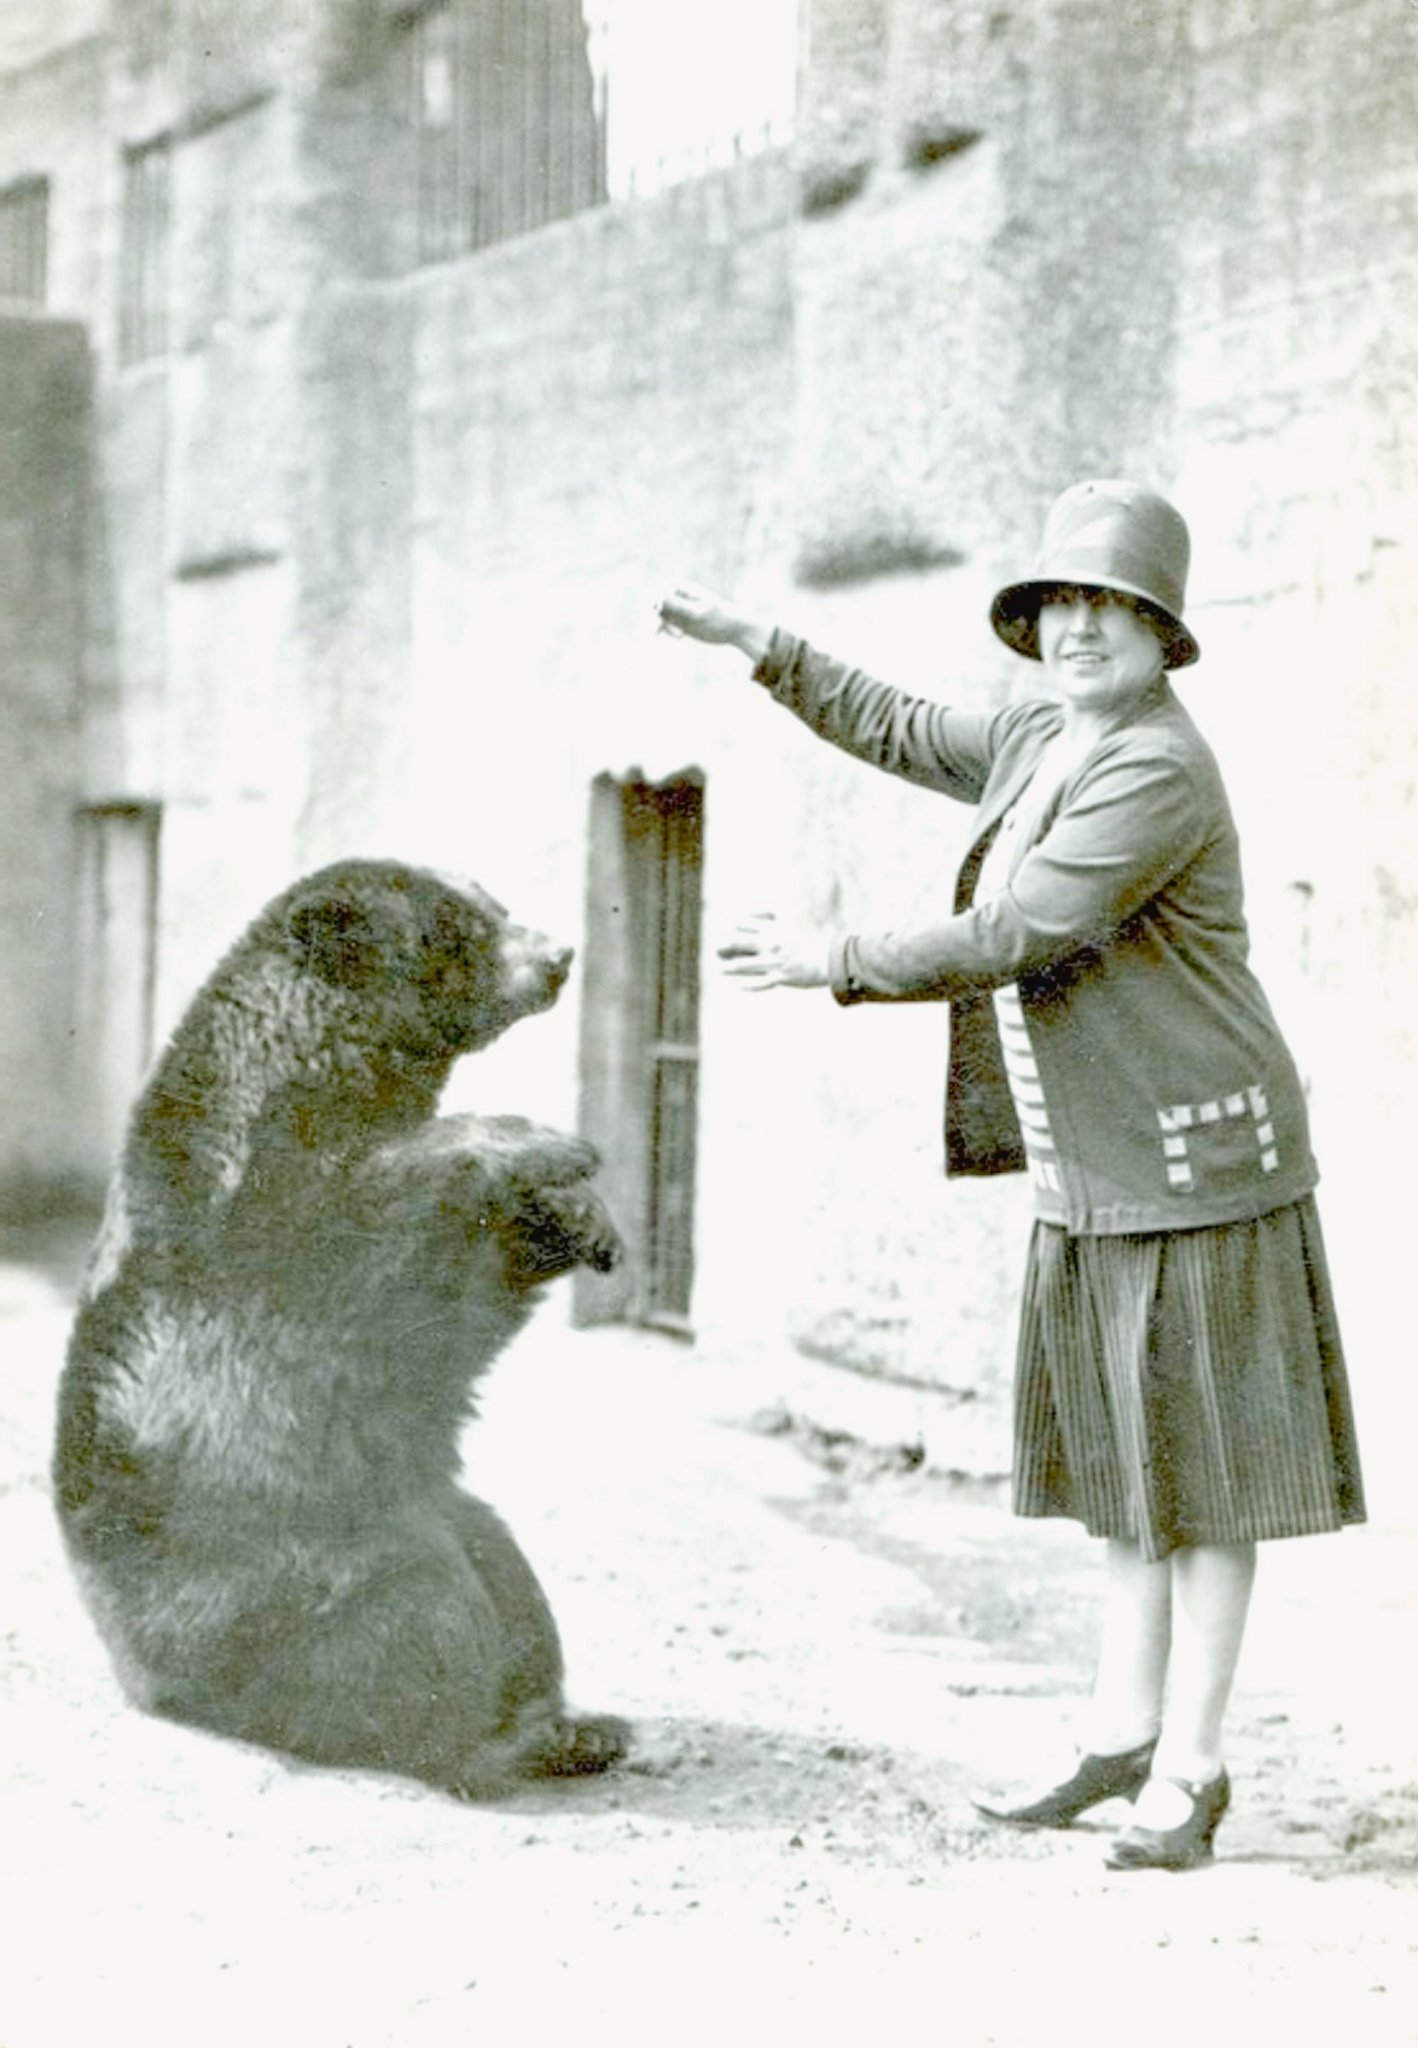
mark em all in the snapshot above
pixel 1297 393
pixel 44 456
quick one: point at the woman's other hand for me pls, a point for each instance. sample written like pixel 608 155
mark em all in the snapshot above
pixel 719 621
pixel 763 955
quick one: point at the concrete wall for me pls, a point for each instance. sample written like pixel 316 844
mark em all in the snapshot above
pixel 44 453
pixel 379 546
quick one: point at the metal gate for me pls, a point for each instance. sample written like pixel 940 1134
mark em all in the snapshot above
pixel 640 1040
pixel 666 824
pixel 506 132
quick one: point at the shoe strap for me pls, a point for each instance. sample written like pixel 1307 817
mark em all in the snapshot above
pixel 1197 1788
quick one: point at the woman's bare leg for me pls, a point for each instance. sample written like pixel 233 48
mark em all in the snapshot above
pixel 1130 1683
pixel 1211 1584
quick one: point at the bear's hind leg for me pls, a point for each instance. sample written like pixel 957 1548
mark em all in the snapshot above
pixel 578 1746
pixel 407 1667
pixel 565 1745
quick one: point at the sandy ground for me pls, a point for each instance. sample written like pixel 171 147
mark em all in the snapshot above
pixel 823 1651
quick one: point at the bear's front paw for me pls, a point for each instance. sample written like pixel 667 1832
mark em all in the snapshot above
pixel 553 1230
pixel 526 1151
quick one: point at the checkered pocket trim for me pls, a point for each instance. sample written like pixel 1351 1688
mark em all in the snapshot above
pixel 1184 1117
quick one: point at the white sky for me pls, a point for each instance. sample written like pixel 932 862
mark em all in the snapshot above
pixel 686 76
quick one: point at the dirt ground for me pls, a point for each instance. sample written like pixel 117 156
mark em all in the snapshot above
pixel 824 1648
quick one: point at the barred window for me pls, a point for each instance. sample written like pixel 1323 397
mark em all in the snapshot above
pixel 505 123
pixel 24 240
pixel 143 314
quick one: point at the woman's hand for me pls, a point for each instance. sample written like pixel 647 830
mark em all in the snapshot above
pixel 719 621
pixel 762 955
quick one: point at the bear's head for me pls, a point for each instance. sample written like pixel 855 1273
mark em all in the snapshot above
pixel 438 962
pixel 334 1020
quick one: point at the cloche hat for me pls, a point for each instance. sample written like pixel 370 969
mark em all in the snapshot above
pixel 1106 535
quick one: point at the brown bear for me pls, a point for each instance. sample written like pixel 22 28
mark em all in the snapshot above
pixel 301 1274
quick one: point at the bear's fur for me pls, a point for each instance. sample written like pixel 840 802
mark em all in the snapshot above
pixel 301 1274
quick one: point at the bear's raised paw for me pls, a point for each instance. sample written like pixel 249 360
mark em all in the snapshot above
pixel 552 1230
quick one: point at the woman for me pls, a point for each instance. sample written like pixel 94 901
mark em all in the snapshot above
pixel 1180 1385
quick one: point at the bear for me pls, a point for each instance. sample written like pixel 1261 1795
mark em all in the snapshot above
pixel 301 1273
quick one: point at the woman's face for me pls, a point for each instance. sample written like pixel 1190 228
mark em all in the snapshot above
pixel 1102 653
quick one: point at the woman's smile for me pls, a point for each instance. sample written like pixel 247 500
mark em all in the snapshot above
pixel 1102 651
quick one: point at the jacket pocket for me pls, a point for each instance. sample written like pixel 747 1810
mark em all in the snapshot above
pixel 1226 1142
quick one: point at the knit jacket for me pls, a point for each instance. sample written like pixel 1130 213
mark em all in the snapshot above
pixel 1171 1098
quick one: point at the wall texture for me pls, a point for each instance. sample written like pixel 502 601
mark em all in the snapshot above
pixel 376 547
pixel 44 455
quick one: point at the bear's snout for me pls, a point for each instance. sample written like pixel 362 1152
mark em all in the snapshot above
pixel 535 971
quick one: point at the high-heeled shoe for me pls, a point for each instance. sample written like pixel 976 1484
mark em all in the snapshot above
pixel 1184 1847
pixel 1097 1778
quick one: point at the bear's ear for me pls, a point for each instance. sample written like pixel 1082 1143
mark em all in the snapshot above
pixel 336 940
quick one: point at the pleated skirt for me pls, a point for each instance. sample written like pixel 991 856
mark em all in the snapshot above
pixel 1184 1387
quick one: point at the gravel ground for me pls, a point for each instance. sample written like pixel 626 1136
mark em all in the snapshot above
pixel 824 1646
